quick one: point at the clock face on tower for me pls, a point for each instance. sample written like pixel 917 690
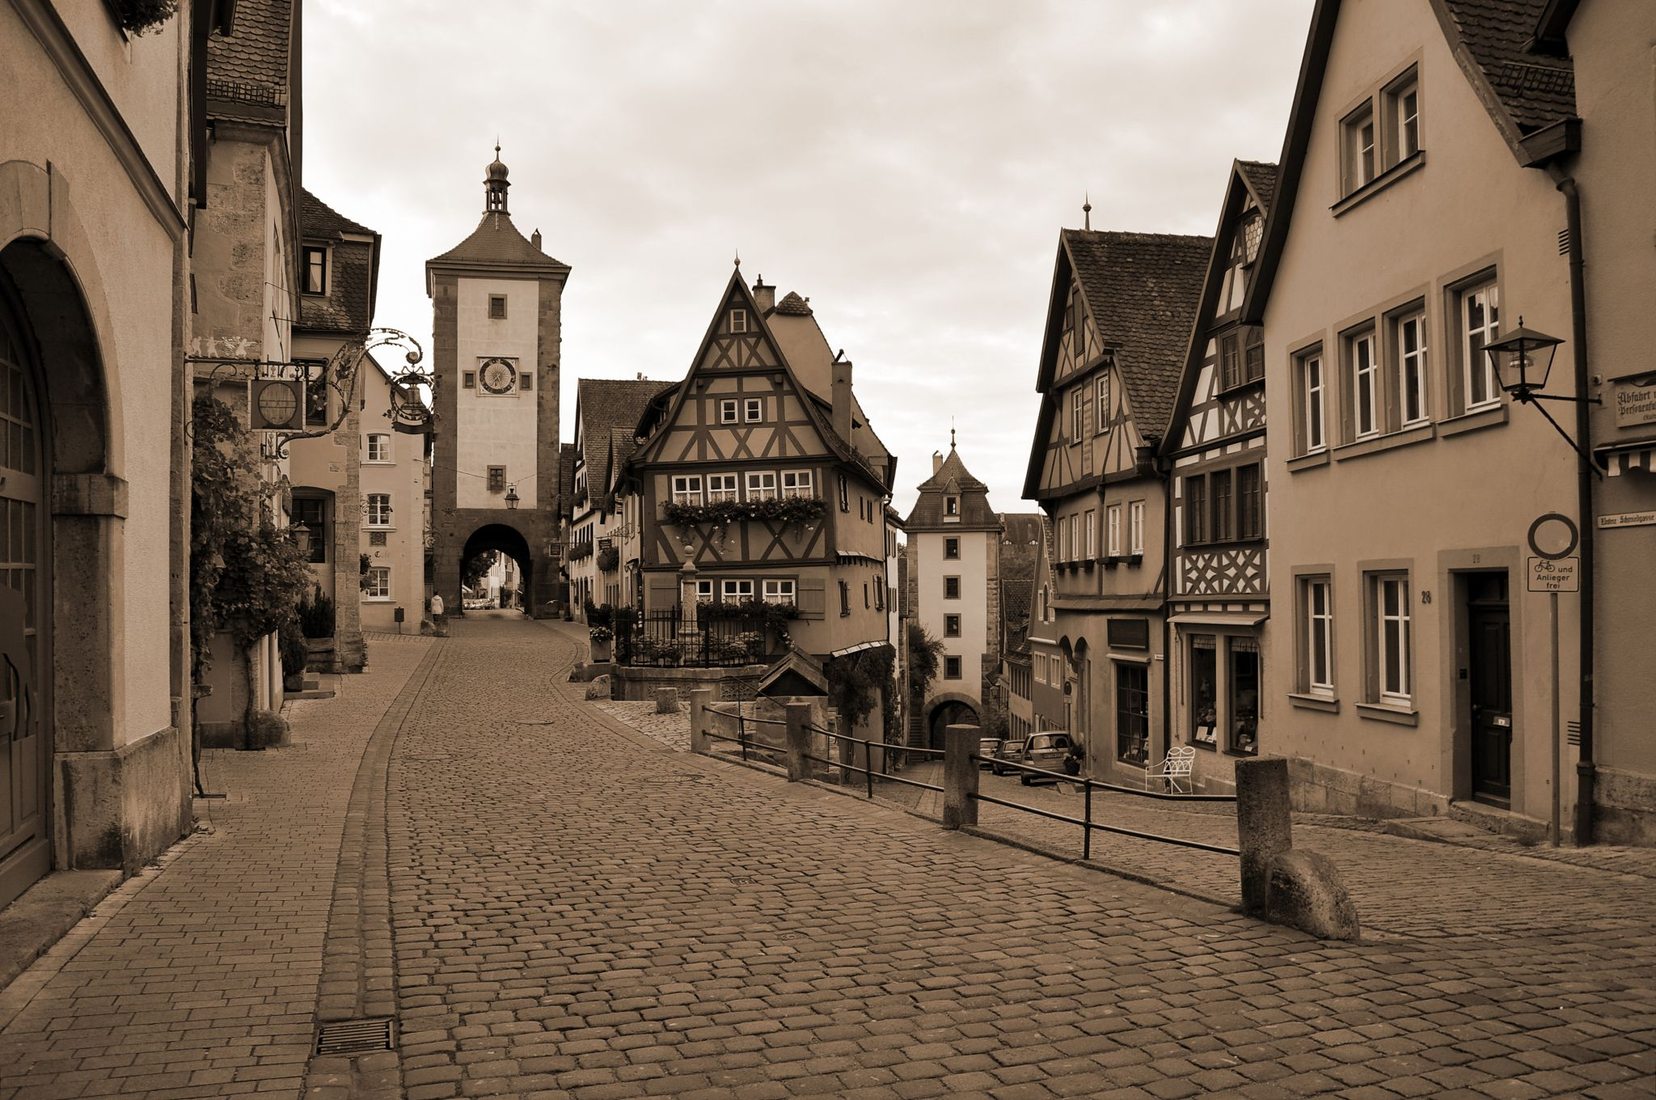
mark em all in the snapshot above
pixel 498 376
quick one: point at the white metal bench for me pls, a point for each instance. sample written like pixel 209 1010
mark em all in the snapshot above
pixel 1174 770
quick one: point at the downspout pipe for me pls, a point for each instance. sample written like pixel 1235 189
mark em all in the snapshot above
pixel 1586 771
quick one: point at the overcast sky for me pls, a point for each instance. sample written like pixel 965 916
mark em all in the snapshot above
pixel 905 165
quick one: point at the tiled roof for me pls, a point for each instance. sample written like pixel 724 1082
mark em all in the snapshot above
pixel 1534 90
pixel 952 477
pixel 605 405
pixel 1142 290
pixel 496 242
pixel 792 303
pixel 252 65
pixel 318 219
pixel 1023 529
pixel 1262 178
pixel 566 474
pixel 623 442
pixel 348 307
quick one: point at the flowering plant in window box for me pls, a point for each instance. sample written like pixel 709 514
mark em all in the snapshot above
pixel 600 634
pixel 720 513
pixel 579 550
pixel 608 559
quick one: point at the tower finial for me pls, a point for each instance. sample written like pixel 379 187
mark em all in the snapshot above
pixel 738 259
pixel 951 433
pixel 1086 210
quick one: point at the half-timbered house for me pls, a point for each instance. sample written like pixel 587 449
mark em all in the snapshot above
pixel 1117 328
pixel 759 478
pixel 1219 600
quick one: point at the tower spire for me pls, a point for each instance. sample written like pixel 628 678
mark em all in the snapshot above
pixel 495 185
pixel 1086 210
pixel 951 433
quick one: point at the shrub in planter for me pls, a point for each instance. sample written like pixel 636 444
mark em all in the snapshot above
pixel 316 615
pixel 293 655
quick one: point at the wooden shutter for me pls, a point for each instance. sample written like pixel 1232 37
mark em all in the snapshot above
pixel 811 599
pixel 660 591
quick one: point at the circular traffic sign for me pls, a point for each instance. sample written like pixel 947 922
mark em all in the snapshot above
pixel 1553 536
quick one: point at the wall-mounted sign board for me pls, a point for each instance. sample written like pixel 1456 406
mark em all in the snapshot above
pixel 1554 574
pixel 1627 519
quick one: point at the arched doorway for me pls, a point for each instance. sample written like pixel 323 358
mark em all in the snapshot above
pixel 946 712
pixel 25 585
pixel 509 542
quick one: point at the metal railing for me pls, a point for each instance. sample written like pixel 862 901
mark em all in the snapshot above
pixel 747 743
pixel 670 639
pixel 867 770
pixel 1086 822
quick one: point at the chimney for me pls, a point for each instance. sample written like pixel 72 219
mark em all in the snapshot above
pixel 764 296
pixel 841 394
pixel 937 462
pixel 535 239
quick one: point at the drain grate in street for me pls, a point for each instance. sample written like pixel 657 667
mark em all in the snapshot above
pixel 354 1037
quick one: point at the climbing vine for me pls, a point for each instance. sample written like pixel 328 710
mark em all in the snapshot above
pixel 246 574
pixel 858 681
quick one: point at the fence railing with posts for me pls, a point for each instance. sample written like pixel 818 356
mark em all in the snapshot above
pixel 1313 898
pixel 669 639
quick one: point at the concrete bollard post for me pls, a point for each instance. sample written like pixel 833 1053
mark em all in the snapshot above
pixel 1264 825
pixel 699 718
pixel 960 776
pixel 798 743
pixel 666 701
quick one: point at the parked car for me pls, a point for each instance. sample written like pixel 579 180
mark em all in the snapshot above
pixel 1046 750
pixel 988 747
pixel 1009 750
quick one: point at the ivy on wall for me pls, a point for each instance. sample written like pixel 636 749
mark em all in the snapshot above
pixel 246 574
pixel 857 681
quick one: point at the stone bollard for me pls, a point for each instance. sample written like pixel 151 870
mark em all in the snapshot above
pixel 699 717
pixel 667 701
pixel 798 742
pixel 1300 889
pixel 960 776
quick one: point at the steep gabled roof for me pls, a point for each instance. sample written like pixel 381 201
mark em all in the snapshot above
pixel 1529 95
pixel 1247 178
pixel 603 406
pixel 1141 290
pixel 348 306
pixel 952 479
pixel 250 72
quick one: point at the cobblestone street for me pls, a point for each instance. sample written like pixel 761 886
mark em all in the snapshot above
pixel 574 909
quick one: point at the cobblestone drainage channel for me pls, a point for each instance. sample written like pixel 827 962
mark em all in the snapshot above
pixel 356 1037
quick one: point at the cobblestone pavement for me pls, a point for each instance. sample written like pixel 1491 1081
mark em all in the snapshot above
pixel 575 911
pixel 198 977
pixel 580 913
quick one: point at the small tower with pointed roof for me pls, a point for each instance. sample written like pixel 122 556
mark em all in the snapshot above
pixel 953 551
pixel 496 303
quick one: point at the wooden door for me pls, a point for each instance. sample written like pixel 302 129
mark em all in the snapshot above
pixel 1489 643
pixel 24 854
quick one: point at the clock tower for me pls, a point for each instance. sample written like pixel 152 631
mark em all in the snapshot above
pixel 496 324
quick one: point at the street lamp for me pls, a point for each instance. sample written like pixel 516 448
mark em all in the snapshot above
pixel 511 497
pixel 1521 361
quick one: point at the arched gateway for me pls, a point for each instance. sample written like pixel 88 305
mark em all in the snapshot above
pixel 496 300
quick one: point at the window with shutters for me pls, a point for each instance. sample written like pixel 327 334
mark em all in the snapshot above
pixel 780 592
pixel 845 599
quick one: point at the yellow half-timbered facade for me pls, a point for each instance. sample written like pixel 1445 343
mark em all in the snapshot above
pixel 1219 599
pixel 1117 329
pixel 759 478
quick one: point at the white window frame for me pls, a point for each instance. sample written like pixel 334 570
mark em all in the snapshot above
pixel 375 591
pixel 1359 151
pixel 761 485
pixel 1412 397
pixel 753 409
pixel 1403 113
pixel 1078 416
pixel 687 489
pixel 730 410
pixel 1112 522
pixel 379 510
pixel 1392 628
pixel 738 321
pixel 798 484
pixel 1313 392
pixel 782 592
pixel 736 590
pixel 1091 524
pixel 1365 382
pixel 722 487
pixel 379 442
pixel 1474 338
pixel 1135 528
pixel 704 591
pixel 1102 401
pixel 1319 633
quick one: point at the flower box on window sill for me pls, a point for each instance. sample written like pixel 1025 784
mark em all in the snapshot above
pixel 1134 559
pixel 1112 560
pixel 1088 565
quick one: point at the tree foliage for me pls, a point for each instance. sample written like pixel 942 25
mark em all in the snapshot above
pixel 477 567
pixel 858 680
pixel 925 659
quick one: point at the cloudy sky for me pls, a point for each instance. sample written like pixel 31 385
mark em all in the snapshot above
pixel 906 166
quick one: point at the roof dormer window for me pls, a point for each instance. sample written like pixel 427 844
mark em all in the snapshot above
pixel 313 276
pixel 951 507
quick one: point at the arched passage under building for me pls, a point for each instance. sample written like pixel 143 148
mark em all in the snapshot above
pixel 946 711
pixel 508 541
